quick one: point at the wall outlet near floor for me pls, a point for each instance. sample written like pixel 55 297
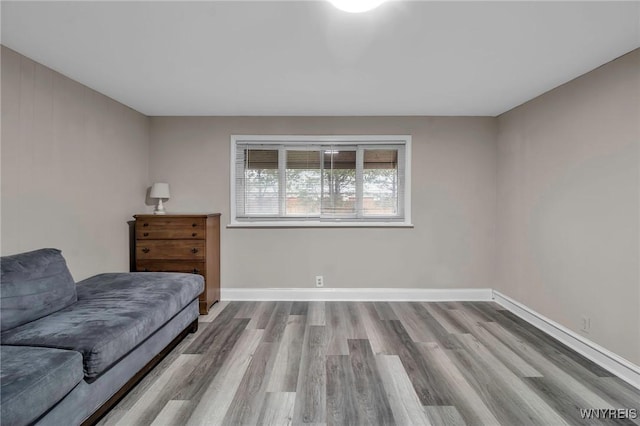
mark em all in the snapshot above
pixel 585 324
pixel 319 281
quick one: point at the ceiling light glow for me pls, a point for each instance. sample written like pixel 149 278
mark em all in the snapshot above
pixel 356 6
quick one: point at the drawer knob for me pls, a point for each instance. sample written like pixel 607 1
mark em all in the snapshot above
pixel 196 270
pixel 194 250
pixel 145 250
pixel 194 225
pixel 145 224
pixel 146 234
pixel 194 234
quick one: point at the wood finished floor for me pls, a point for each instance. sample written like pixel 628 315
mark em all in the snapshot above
pixel 352 363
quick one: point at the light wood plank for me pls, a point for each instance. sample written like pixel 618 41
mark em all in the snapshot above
pixel 414 323
pixel 353 321
pixel 112 417
pixel 374 329
pixel 344 322
pixel 444 416
pixel 427 381
pixel 215 310
pixel 151 403
pixel 173 413
pixel 214 359
pixel 384 310
pixel 505 394
pixel 216 400
pixel 617 392
pixel 478 311
pixel 300 308
pixel 247 310
pixel 567 404
pixel 141 388
pixel 277 322
pixel 557 352
pixel 337 328
pixel 316 313
pixel 205 339
pixel 468 403
pixel 284 377
pixel 342 406
pixel 548 369
pixel 499 349
pixel 310 405
pixel 405 405
pixel 245 407
pixel 443 317
pixel 369 390
pixel 277 409
pixel 261 315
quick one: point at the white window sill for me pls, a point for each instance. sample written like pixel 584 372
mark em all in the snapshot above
pixel 307 224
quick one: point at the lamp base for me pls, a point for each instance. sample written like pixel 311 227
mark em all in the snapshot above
pixel 159 208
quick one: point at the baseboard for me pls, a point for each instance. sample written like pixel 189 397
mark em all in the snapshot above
pixel 358 294
pixel 619 366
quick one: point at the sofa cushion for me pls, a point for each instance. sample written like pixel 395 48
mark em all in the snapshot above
pixel 114 313
pixel 32 285
pixel 34 380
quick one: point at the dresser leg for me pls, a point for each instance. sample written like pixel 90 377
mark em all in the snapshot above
pixel 204 309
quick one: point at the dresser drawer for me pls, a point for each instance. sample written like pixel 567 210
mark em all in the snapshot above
pixel 169 233
pixel 159 228
pixel 170 249
pixel 187 267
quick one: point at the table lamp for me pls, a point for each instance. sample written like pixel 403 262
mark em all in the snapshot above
pixel 159 191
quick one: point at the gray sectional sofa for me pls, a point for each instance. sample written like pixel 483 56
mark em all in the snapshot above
pixel 68 351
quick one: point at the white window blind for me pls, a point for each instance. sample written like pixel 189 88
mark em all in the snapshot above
pixel 314 179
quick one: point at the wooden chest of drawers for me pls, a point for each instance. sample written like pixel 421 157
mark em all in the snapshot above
pixel 181 243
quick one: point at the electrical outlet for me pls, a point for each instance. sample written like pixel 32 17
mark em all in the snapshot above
pixel 585 324
pixel 319 281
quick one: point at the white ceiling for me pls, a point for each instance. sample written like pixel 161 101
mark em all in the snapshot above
pixel 308 58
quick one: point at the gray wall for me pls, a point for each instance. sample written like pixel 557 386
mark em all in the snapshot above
pixel 568 197
pixel 453 203
pixel 74 168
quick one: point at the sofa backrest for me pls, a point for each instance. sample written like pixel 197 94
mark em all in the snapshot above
pixel 33 285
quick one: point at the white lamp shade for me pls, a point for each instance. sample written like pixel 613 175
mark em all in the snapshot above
pixel 356 6
pixel 160 190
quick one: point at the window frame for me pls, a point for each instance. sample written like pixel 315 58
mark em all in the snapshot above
pixel 311 141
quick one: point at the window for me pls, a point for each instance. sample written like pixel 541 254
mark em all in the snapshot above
pixel 320 180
